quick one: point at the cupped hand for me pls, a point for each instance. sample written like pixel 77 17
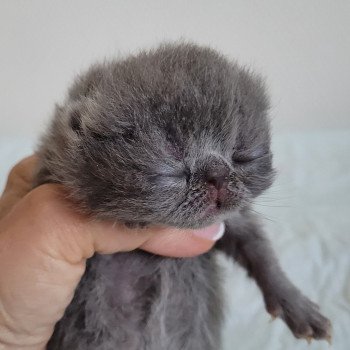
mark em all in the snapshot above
pixel 44 244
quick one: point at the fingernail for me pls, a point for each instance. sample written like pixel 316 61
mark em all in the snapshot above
pixel 213 232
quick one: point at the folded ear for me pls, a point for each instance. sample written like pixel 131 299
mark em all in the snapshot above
pixel 75 121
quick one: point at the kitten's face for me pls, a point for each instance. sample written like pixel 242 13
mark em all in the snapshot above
pixel 183 147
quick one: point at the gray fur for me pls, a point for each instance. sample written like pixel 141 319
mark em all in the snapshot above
pixel 176 136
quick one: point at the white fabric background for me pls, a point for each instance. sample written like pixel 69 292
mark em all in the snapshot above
pixel 307 214
pixel 308 218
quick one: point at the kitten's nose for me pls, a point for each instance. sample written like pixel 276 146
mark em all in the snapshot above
pixel 217 175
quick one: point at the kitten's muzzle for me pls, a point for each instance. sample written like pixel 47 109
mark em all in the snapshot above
pixel 216 175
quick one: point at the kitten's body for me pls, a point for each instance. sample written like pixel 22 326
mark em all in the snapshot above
pixel 138 301
pixel 176 136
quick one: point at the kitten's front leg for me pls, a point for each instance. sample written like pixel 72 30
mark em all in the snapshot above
pixel 246 242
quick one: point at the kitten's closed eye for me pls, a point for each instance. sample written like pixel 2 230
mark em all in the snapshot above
pixel 176 181
pixel 172 174
pixel 242 157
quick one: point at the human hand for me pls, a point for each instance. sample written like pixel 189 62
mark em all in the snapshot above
pixel 44 245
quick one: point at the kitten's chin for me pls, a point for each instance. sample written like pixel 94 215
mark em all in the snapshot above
pixel 212 210
pixel 215 213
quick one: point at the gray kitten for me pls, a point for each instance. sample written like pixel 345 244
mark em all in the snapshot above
pixel 176 136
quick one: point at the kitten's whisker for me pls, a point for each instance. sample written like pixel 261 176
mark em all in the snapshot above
pixel 262 215
pixel 268 206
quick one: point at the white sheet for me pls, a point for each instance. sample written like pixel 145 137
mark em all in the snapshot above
pixel 307 215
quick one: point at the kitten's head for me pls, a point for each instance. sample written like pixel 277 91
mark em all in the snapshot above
pixel 177 136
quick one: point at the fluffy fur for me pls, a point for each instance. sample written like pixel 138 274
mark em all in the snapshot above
pixel 176 136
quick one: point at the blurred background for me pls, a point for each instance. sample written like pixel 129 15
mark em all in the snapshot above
pixel 303 50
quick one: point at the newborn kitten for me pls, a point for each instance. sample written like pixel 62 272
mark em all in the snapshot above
pixel 176 136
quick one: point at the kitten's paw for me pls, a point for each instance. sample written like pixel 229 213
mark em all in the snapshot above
pixel 301 315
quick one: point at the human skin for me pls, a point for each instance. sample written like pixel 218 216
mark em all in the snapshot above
pixel 44 245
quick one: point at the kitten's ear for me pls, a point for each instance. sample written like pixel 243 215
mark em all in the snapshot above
pixel 75 122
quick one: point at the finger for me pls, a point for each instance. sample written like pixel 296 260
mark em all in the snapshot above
pixel 177 244
pixel 76 237
pixel 21 175
pixel 19 183
pixel 184 243
pixel 166 241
